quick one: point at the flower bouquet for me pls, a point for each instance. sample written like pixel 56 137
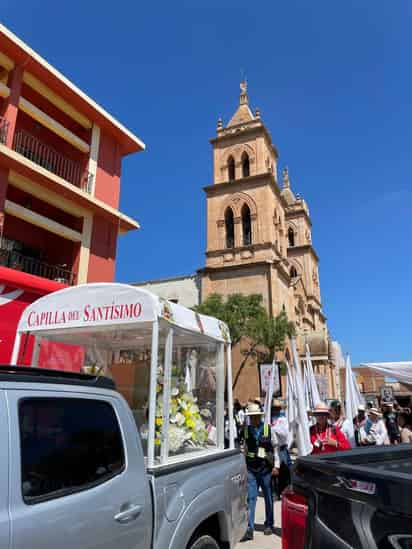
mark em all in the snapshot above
pixel 186 425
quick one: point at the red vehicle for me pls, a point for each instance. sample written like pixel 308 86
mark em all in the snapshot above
pixel 17 290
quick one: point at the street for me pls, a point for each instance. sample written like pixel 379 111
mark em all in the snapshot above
pixel 261 541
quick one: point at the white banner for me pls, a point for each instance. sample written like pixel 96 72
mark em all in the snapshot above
pixel 270 372
pixel 302 428
pixel 265 378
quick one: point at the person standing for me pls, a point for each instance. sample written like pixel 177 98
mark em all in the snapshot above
pixel 280 432
pixel 325 437
pixel 359 424
pixel 391 422
pixel 339 420
pixel 375 430
pixel 405 426
pixel 239 416
pixel 261 462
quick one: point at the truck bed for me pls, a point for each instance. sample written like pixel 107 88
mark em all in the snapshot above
pixel 360 498
pixel 394 459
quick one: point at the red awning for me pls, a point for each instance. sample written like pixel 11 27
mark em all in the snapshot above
pixel 28 282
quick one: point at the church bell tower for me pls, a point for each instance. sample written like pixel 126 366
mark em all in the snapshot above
pixel 246 235
pixel 259 235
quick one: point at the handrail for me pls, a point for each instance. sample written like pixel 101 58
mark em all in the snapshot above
pixel 4 129
pixel 35 150
pixel 31 265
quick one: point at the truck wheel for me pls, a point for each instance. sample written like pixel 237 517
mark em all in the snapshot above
pixel 204 542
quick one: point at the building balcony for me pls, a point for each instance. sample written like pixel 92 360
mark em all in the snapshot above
pixel 4 128
pixel 45 156
pixel 20 262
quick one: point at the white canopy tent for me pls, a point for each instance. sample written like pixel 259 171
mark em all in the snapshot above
pixel 97 322
pixel 402 371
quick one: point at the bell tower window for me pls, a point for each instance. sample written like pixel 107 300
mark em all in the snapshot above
pixel 291 237
pixel 231 168
pixel 245 165
pixel 230 228
pixel 293 272
pixel 246 226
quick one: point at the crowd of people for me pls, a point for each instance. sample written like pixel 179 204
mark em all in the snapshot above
pixel 266 446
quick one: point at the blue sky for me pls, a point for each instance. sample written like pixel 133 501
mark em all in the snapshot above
pixel 333 82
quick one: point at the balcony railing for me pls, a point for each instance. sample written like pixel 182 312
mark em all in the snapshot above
pixel 4 128
pixel 47 157
pixel 33 266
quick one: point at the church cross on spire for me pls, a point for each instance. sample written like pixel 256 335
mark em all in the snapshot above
pixel 285 178
pixel 244 99
pixel 243 114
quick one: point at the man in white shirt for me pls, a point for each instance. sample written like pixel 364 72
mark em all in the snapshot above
pixel 280 432
pixel 375 429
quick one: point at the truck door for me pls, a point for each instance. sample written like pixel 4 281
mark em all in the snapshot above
pixel 77 477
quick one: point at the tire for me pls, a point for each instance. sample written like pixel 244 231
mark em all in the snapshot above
pixel 204 542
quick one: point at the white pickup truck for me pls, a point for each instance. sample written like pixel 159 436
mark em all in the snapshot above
pixel 134 458
pixel 73 474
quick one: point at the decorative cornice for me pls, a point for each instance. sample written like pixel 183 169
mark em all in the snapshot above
pixel 253 126
pixel 238 249
pixel 245 183
pixel 305 248
pixel 237 267
pixel 297 212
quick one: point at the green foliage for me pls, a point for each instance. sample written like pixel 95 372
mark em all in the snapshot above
pixel 246 316
pixel 271 333
pixel 241 313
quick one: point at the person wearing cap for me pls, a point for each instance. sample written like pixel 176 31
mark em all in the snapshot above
pixel 390 418
pixel 261 463
pixel 375 429
pixel 280 433
pixel 405 427
pixel 324 436
pixel 359 424
pixel 339 420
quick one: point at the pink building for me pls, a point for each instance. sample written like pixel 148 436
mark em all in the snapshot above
pixel 60 166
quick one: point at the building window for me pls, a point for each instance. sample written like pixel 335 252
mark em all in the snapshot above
pixel 293 272
pixel 67 445
pixel 231 168
pixel 291 237
pixel 230 228
pixel 246 226
pixel 245 165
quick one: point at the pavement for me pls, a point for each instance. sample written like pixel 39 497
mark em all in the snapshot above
pixel 261 541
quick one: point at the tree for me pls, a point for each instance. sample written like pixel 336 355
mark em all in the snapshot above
pixel 240 312
pixel 247 317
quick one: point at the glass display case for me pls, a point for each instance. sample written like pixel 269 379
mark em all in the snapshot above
pixel 171 365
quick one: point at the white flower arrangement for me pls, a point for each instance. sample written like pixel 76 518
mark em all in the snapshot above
pixel 186 426
pixel 177 438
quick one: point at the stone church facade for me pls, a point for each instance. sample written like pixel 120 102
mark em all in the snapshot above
pixel 259 242
pixel 258 231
